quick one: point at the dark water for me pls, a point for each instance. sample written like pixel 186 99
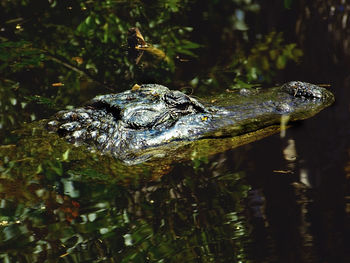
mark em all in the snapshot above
pixel 280 199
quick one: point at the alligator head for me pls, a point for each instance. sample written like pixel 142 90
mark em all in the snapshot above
pixel 151 115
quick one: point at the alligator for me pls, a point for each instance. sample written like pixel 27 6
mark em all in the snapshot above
pixel 151 115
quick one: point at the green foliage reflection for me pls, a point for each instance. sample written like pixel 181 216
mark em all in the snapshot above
pixel 171 219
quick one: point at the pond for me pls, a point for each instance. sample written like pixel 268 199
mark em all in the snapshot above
pixel 283 198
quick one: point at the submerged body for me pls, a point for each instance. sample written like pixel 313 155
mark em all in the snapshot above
pixel 127 123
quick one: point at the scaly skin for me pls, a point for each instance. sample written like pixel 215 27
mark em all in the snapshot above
pixel 126 123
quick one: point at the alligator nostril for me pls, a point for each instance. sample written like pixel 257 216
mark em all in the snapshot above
pixel 303 89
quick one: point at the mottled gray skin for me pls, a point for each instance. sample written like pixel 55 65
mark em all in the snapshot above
pixel 124 124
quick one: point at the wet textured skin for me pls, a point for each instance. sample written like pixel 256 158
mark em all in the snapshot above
pixel 151 116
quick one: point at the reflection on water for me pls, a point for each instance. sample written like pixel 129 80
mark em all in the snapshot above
pixel 282 199
pixel 186 215
pixel 212 212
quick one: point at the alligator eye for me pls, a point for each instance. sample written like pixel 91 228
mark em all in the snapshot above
pixel 182 106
